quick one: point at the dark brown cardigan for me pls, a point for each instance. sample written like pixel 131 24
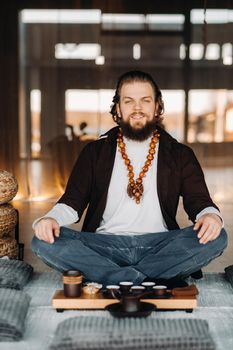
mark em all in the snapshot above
pixel 179 174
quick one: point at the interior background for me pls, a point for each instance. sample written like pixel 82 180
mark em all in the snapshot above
pixel 58 71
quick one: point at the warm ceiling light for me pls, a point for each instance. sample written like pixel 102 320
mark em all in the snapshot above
pixel 100 60
pixel 61 16
pixel 182 53
pixel 137 51
pixel 167 19
pixel 212 16
pixel 227 54
pixel 227 61
pixel 80 51
pixel 196 51
pixel 165 22
pixel 122 18
pixel 212 52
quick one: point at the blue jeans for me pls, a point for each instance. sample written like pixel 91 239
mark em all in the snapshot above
pixel 109 259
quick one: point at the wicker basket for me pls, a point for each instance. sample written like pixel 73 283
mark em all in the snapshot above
pixel 8 186
pixel 8 219
pixel 8 247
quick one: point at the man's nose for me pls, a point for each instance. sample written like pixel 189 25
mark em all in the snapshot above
pixel 137 106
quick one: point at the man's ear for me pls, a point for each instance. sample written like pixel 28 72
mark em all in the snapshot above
pixel 156 108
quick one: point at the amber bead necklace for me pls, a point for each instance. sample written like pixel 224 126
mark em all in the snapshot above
pixel 135 187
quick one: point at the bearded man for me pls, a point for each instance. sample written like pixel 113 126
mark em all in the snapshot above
pixel 131 180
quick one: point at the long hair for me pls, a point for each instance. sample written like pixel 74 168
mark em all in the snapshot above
pixel 132 76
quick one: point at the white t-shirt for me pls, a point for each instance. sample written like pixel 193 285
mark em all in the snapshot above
pixel 122 214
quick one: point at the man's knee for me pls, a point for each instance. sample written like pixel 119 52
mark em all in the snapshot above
pixel 216 247
pixel 47 252
pixel 35 244
pixel 40 247
pixel 221 241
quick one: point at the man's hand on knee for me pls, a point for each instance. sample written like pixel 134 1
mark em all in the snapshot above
pixel 209 226
pixel 46 229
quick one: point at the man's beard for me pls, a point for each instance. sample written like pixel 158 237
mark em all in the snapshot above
pixel 138 134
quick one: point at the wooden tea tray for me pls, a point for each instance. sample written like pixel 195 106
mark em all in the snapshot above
pixel 98 301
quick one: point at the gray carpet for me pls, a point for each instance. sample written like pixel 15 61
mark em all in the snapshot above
pixel 215 304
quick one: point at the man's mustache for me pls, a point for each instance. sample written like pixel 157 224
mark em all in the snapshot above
pixel 138 113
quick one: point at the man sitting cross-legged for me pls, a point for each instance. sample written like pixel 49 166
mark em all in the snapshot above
pixel 131 179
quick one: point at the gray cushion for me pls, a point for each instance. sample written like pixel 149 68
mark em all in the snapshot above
pixel 13 310
pixel 98 333
pixel 229 274
pixel 14 273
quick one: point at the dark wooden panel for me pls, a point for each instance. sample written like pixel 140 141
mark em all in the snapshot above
pixel 8 87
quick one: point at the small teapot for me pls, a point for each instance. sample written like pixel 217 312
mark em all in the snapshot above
pixel 130 303
pixel 129 297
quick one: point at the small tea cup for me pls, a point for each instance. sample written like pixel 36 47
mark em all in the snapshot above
pixel 148 285
pixel 125 287
pixel 159 290
pixel 114 290
pixel 138 290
